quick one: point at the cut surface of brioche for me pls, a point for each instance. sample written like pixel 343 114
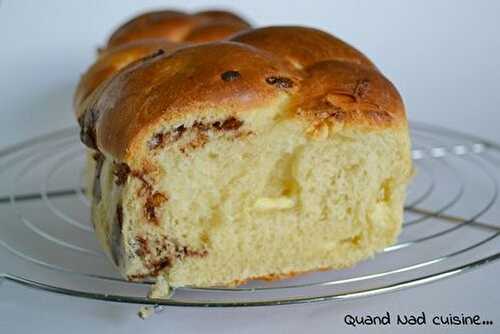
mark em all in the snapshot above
pixel 278 151
pixel 264 200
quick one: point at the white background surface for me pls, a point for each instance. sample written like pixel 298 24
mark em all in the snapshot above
pixel 444 56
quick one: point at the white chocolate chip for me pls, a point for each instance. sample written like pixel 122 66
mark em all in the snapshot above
pixel 274 203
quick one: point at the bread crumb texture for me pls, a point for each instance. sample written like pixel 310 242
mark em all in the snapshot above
pixel 273 202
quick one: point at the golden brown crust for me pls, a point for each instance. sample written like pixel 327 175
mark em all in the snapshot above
pixel 221 15
pixel 214 31
pixel 111 61
pixel 145 34
pixel 189 80
pixel 344 92
pixel 301 46
pixel 326 80
pixel 173 25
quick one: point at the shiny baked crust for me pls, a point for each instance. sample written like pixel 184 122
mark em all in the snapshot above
pixel 148 34
pixel 332 82
pixel 110 61
pixel 179 26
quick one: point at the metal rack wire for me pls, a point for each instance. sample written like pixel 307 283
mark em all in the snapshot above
pixel 46 241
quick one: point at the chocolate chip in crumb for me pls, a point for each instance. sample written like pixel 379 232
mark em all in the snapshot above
pixel 230 123
pixel 142 246
pixel 183 251
pixel 200 126
pixel 280 82
pixel 87 123
pixel 116 236
pixel 96 188
pixel 157 266
pixel 179 131
pixel 159 139
pixel 155 141
pixel 121 172
pixel 230 75
pixel 119 215
pixel 152 202
pixel 149 210
pixel 157 199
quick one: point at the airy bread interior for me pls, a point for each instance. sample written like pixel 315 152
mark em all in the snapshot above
pixel 263 196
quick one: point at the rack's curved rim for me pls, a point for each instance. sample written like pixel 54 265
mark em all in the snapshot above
pixel 23 281
pixel 288 301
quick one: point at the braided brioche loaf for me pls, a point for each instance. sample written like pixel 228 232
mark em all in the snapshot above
pixel 273 152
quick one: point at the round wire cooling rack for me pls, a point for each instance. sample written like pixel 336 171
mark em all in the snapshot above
pixel 451 226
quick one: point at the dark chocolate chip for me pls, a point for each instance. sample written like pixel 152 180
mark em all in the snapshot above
pixel 179 131
pixel 119 216
pixel 96 188
pixel 143 248
pixel 184 251
pixel 280 82
pixel 152 202
pixel 230 75
pixel 157 266
pixel 116 236
pixel 121 172
pixel 87 127
pixel 146 186
pixel 231 123
pixel 200 126
pixel 156 141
